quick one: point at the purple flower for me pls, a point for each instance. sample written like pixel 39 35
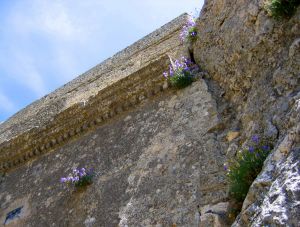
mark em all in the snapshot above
pixel 63 180
pixel 75 171
pixel 255 139
pixel 191 22
pixel 82 173
pixel 77 176
pixel 171 71
pixel 188 30
pixel 69 179
pixel 179 69
pixel 251 149
pixel 225 167
pixel 266 148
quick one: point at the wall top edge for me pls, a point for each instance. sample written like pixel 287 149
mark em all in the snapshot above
pixel 87 85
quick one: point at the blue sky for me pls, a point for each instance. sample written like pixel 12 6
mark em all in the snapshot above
pixel 46 43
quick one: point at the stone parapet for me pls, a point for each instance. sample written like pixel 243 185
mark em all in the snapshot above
pixel 90 100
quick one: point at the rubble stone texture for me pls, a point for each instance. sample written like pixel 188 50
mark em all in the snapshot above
pixel 150 146
pixel 153 167
pixel 255 61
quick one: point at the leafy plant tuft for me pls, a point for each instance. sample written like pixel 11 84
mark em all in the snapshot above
pixel 189 31
pixel 79 178
pixel 282 8
pixel 243 170
pixel 181 73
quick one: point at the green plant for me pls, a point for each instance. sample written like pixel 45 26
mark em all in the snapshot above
pixel 192 34
pixel 189 31
pixel 79 178
pixel 243 170
pixel 181 73
pixel 282 8
pixel 181 79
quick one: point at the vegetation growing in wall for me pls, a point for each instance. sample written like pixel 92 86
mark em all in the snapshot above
pixel 79 178
pixel 243 170
pixel 282 8
pixel 181 72
pixel 189 31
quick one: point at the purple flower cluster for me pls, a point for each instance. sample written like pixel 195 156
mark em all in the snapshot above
pixel 257 147
pixel 251 149
pixel 188 30
pixel 266 148
pixel 179 66
pixel 255 139
pixel 75 176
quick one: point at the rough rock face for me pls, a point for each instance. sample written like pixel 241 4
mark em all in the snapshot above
pixel 254 59
pixel 177 172
pixel 254 63
pixel 274 197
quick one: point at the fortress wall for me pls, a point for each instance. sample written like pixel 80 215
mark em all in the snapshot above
pixel 158 153
pixel 133 58
pixel 108 89
pixel 155 160
pixel 154 165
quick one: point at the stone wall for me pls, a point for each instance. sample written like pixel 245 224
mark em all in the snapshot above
pixel 158 153
pixel 156 161
pixel 253 62
pixel 153 166
pixel 108 89
pixel 253 58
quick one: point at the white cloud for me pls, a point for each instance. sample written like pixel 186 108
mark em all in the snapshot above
pixel 71 33
pixel 55 20
pixel 66 28
pixel 28 74
pixel 24 72
pixel 46 17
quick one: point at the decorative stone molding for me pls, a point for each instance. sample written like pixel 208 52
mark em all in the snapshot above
pixel 109 89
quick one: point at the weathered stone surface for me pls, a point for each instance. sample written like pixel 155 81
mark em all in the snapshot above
pixel 130 76
pixel 252 57
pixel 232 135
pixel 133 58
pixel 256 62
pixel 158 153
pixel 154 166
pixel 274 197
pixel 214 215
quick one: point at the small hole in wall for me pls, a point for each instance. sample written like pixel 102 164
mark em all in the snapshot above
pixel 192 56
pixel 12 215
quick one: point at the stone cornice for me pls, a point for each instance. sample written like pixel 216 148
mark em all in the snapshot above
pixel 83 117
pixel 92 99
pixel 131 59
